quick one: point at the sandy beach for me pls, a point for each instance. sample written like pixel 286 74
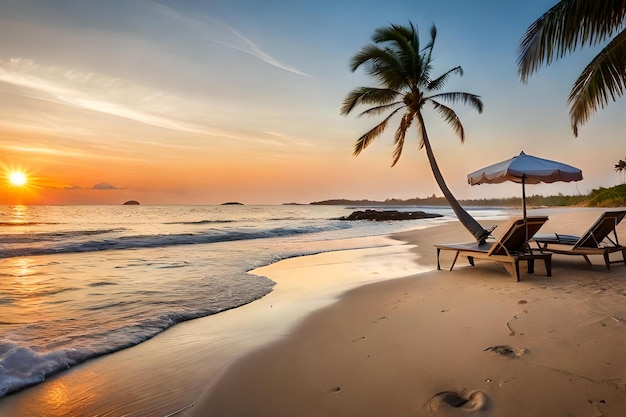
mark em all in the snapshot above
pixel 469 341
pixel 442 343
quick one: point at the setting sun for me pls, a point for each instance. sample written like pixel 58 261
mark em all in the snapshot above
pixel 18 185
pixel 17 178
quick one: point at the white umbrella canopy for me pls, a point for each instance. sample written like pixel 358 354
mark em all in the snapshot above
pixel 525 169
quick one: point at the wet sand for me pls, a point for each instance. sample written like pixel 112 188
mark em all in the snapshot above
pixel 447 343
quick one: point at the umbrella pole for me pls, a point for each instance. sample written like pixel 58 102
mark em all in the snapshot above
pixel 524 196
pixel 524 207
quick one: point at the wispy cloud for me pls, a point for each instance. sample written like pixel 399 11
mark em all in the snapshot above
pixel 113 96
pixel 222 33
pixel 93 91
pixel 291 140
pixel 46 151
pixel 99 186
pixel 250 48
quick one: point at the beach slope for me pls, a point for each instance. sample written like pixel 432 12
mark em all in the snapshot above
pixel 447 343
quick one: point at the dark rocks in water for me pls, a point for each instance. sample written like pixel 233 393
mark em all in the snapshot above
pixel 131 203
pixel 232 203
pixel 389 215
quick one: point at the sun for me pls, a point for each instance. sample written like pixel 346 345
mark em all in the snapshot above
pixel 18 178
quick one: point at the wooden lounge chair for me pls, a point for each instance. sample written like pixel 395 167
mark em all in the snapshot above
pixel 600 239
pixel 511 248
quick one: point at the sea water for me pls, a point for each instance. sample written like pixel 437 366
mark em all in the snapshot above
pixel 78 282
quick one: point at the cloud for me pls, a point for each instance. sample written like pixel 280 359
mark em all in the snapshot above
pixel 290 140
pixel 93 91
pixel 108 95
pixel 222 33
pixel 99 186
pixel 250 48
pixel 105 186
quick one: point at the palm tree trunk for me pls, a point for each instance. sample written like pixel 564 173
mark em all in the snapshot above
pixel 479 233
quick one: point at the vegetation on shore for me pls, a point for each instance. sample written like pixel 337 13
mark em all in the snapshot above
pixel 601 197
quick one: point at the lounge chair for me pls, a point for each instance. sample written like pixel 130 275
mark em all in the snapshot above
pixel 511 248
pixel 600 239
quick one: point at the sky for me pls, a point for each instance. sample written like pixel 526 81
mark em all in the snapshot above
pixel 213 101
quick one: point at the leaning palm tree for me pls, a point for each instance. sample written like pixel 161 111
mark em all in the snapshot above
pixel 403 70
pixel 576 23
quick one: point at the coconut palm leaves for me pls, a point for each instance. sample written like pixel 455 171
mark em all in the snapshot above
pixel 575 23
pixel 403 69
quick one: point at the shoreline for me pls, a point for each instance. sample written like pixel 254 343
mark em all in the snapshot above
pixel 168 373
pixel 362 353
pixel 447 344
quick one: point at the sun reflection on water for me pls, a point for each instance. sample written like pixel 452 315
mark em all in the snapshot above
pixel 55 395
pixel 20 268
pixel 18 214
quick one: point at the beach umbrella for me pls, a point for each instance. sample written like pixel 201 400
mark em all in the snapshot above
pixel 525 169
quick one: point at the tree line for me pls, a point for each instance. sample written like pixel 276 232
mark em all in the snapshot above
pixel 601 197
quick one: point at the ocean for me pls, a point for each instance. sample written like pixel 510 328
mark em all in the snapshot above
pixel 77 282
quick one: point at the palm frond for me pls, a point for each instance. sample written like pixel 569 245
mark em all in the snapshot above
pixel 430 45
pixel 472 100
pixel 439 82
pixel 405 123
pixel 367 95
pixel 565 27
pixel 451 118
pixel 602 80
pixel 364 141
pixel 402 44
pixel 382 64
pixel 397 34
pixel 375 111
pixel 403 71
pixel 365 55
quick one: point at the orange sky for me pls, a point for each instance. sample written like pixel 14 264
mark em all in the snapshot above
pixel 233 101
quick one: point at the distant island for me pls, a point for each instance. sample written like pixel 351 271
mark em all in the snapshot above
pixel 601 197
pixel 131 203
pixel 232 203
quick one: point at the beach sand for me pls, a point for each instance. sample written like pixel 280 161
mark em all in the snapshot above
pixel 442 343
pixel 447 343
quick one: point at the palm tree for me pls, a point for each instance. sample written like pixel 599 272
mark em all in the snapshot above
pixel 620 167
pixel 576 23
pixel 403 71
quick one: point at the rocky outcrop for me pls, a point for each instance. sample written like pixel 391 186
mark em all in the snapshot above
pixel 382 215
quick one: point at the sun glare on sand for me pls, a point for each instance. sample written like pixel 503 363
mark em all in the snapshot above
pixel 17 178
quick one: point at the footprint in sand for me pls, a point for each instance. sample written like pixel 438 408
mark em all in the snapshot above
pixel 449 403
pixel 508 351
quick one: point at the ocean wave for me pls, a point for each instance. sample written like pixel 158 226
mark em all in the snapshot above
pixel 19 223
pixel 54 236
pixel 203 222
pixel 23 366
pixel 156 241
